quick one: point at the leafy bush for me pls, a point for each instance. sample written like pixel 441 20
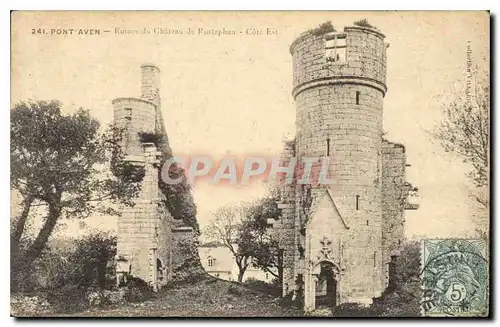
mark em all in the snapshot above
pixel 81 263
pixel 149 137
pixel 67 299
pixel 264 287
pixel 402 297
pixel 92 260
pixel 138 290
pixel 51 270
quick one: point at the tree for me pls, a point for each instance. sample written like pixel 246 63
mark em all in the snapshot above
pixel 255 227
pixel 225 228
pixel 464 130
pixel 65 164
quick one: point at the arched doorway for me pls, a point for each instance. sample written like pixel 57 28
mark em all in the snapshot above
pixel 326 286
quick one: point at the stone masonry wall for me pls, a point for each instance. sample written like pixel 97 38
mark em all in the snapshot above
pixel 393 200
pixel 137 225
pixel 134 115
pixel 285 227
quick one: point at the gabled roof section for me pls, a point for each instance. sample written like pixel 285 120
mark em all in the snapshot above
pixel 319 200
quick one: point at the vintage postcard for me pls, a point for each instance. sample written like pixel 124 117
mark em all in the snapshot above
pixel 250 164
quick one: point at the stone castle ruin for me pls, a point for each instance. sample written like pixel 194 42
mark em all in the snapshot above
pixel 151 243
pixel 338 240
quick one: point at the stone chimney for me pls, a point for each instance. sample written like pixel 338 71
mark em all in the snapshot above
pixel 150 84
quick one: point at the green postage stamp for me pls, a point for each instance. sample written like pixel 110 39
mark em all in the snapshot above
pixel 454 277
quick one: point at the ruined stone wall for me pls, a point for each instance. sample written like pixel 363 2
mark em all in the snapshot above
pixel 184 267
pixel 150 83
pixel 137 227
pixel 284 228
pixel 144 230
pixel 394 197
pixel 163 241
pixel 157 247
pixel 339 116
pixel 134 116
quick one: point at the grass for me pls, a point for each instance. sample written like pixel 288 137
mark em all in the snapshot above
pixel 207 298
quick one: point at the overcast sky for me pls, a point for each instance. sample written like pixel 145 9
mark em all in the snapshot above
pixel 232 94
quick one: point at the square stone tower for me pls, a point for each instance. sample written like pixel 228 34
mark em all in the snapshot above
pixel 337 240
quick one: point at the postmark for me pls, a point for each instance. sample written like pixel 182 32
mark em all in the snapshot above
pixel 454 277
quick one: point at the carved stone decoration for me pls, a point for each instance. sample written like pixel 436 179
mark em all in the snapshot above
pixel 326 250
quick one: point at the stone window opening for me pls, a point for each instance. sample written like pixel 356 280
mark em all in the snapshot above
pixel 128 113
pixel 336 48
pixel 367 223
pixel 211 261
pixel 358 93
pixel 327 147
pixel 357 202
pixel 374 258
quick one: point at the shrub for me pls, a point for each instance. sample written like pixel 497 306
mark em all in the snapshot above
pixel 138 290
pixel 323 28
pixel 92 261
pixel 69 298
pixel 149 137
pixel 402 297
pixel 364 23
pixel 264 287
pixel 51 270
pixel 83 262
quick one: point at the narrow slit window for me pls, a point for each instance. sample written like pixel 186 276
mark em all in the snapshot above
pixel 327 147
pixel 374 258
pixel 357 202
pixel 358 93
pixel 367 223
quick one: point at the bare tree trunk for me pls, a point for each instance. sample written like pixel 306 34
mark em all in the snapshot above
pixel 242 266
pixel 20 224
pixel 240 276
pixel 38 245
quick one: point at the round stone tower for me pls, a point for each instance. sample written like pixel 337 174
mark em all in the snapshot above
pixel 339 82
pixel 139 115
